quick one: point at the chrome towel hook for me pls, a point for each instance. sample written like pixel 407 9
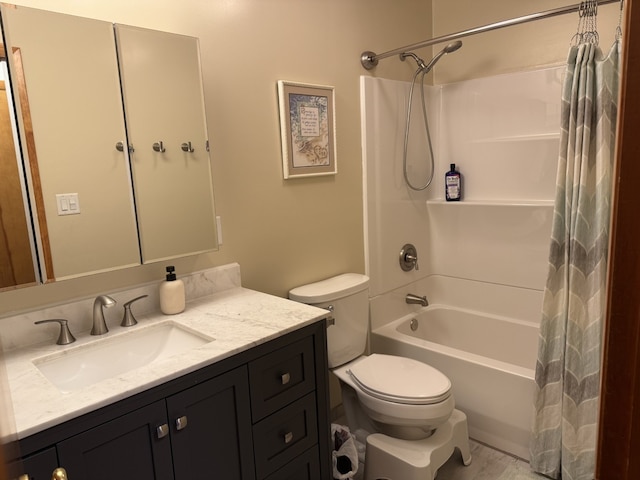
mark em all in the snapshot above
pixel 159 147
pixel 186 147
pixel 120 147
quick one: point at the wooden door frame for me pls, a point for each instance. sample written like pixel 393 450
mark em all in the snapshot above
pixel 619 425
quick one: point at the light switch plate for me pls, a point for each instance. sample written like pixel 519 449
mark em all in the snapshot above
pixel 68 203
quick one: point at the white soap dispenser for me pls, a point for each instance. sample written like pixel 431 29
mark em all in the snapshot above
pixel 172 294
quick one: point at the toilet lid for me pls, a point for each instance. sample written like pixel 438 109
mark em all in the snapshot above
pixel 400 380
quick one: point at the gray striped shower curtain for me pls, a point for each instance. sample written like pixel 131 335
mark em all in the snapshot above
pixel 566 399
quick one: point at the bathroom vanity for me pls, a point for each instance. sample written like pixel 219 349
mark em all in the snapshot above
pixel 251 403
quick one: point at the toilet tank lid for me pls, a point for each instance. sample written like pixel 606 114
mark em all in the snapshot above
pixel 330 289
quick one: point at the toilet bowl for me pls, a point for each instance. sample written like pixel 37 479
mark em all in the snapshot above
pixel 401 406
pixel 404 398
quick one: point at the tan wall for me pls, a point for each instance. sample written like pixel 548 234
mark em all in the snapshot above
pixel 283 233
pixel 522 47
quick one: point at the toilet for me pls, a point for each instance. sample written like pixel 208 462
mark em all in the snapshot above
pixel 403 408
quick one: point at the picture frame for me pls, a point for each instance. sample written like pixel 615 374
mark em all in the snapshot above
pixel 307 128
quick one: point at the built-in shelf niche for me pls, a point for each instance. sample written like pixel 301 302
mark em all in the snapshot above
pixel 493 203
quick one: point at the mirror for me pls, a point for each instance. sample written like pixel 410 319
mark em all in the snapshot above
pixel 89 112
pixel 16 248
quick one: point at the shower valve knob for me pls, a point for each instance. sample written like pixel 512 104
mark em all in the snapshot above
pixel 412 259
pixel 408 258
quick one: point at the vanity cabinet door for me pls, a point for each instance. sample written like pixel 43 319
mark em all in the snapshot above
pixel 39 466
pixel 211 429
pixel 130 447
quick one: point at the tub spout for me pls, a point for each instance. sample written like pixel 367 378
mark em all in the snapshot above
pixel 415 299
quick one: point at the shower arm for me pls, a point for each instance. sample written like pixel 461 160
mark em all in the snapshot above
pixel 370 59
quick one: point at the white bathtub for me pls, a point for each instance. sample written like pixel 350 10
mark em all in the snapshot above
pixel 489 360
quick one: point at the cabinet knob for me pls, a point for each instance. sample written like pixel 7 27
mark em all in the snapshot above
pixel 181 422
pixel 159 147
pixel 285 378
pixel 186 147
pixel 288 437
pixel 162 430
pixel 59 474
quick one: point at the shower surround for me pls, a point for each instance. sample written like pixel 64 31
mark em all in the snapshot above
pixel 502 133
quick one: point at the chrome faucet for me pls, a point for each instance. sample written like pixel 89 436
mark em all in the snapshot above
pixel 99 324
pixel 415 299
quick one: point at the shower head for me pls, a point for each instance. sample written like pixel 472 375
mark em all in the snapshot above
pixel 419 61
pixel 452 47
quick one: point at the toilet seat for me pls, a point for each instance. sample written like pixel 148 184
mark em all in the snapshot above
pixel 400 380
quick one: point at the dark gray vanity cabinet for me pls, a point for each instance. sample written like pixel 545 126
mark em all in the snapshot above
pixel 259 415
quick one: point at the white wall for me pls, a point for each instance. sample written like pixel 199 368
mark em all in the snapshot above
pixel 503 133
pixel 394 214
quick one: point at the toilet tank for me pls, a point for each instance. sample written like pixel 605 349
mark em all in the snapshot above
pixel 347 295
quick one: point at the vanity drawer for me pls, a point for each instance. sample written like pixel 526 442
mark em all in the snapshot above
pixel 304 467
pixel 284 435
pixel 281 377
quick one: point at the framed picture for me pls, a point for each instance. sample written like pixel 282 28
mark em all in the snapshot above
pixel 307 125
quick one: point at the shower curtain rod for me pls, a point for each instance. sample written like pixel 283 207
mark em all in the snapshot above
pixel 370 59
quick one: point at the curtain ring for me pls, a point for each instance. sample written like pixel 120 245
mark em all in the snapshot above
pixel 582 9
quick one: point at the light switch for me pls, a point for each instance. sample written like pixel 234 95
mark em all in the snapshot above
pixel 68 203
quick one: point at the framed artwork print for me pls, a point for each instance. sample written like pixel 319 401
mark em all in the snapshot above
pixel 307 127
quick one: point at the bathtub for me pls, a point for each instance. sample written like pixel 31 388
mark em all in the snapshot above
pixel 489 360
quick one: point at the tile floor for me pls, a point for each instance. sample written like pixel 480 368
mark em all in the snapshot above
pixel 487 464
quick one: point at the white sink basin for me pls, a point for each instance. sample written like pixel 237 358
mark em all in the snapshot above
pixel 85 365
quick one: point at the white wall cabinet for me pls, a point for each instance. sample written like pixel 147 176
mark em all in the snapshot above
pixel 164 108
pixel 71 78
pixel 92 86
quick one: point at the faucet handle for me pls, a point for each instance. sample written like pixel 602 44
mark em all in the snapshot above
pixel 409 258
pixel 412 259
pixel 128 320
pixel 65 337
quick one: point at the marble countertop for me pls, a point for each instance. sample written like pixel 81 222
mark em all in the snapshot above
pixel 238 319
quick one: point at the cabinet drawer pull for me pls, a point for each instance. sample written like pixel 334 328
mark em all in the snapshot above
pixel 162 430
pixel 285 378
pixel 181 422
pixel 288 437
pixel 59 474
